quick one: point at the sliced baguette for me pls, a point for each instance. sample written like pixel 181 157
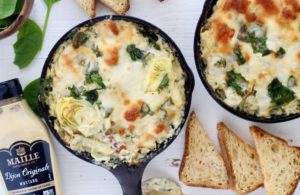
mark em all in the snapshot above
pixel 89 6
pixel 202 165
pixel 280 162
pixel 118 6
pixel 241 161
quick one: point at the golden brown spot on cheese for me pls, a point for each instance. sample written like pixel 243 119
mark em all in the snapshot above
pixel 149 136
pixel 122 131
pixel 298 55
pixel 269 6
pixel 171 114
pixel 289 14
pixel 68 63
pixel 262 75
pixel 126 101
pixel 131 128
pixel 112 57
pixel 294 4
pixel 240 6
pixel 113 28
pixel 132 114
pixel 160 128
pixel 223 34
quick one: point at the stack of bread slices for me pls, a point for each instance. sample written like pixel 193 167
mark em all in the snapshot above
pixel 241 167
pixel 120 7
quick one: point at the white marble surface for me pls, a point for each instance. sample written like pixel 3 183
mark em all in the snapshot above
pixel 178 18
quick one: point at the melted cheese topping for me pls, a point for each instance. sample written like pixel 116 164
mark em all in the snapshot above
pixel 115 93
pixel 249 45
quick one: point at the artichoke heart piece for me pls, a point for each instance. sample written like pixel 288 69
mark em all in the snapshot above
pixel 79 116
pixel 160 72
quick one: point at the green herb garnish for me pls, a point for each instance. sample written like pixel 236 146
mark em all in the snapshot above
pixel 91 96
pixel 280 53
pixel 280 94
pixel 79 39
pixel 237 82
pixel 239 56
pixel 221 63
pixel 94 77
pixel 164 83
pixel 134 52
pixel 258 42
pixel 74 92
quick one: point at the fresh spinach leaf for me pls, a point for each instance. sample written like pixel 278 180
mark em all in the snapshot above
pixel 280 53
pixel 258 42
pixel 19 7
pixel 96 50
pixel 237 82
pixel 165 82
pixel 134 52
pixel 30 94
pixel 152 36
pixel 7 8
pixel 29 43
pixel 49 4
pixel 91 96
pixel 280 94
pixel 6 22
pixel 239 56
pixel 94 77
pixel 79 39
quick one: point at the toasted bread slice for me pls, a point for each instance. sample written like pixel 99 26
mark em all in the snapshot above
pixel 118 6
pixel 241 161
pixel 89 6
pixel 202 165
pixel 161 186
pixel 280 162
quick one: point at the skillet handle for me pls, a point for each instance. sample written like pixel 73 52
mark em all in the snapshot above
pixel 130 179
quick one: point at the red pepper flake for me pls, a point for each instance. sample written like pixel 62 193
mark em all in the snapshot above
pixel 132 114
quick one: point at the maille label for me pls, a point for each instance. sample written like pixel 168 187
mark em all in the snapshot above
pixel 26 168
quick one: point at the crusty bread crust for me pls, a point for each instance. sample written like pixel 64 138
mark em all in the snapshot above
pixel 115 7
pixel 187 153
pixel 228 161
pixel 89 6
pixel 262 133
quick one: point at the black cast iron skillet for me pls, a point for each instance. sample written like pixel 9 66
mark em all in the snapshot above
pixel 207 12
pixel 129 176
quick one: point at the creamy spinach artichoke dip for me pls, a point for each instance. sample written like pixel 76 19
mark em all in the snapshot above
pixel 251 49
pixel 117 91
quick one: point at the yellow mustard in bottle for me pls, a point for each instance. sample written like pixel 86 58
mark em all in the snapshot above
pixel 27 159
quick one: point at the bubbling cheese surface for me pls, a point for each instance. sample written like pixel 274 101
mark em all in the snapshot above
pixel 116 91
pixel 252 52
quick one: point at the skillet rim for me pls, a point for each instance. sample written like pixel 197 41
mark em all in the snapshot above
pixel 189 87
